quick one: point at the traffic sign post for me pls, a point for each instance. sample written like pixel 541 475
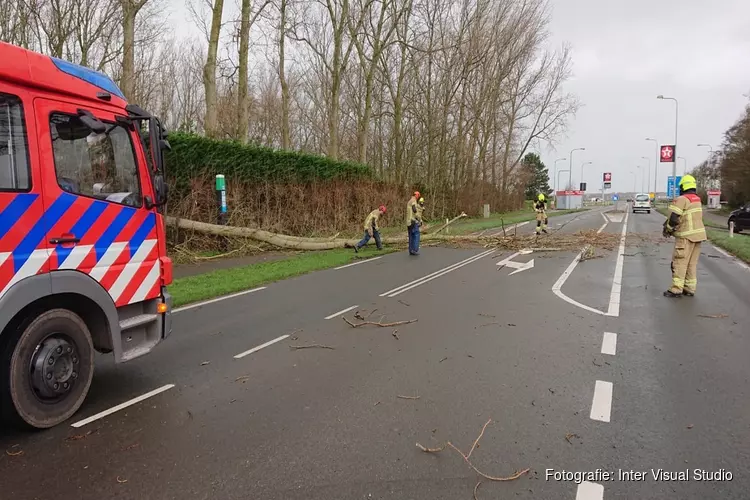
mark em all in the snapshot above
pixel 668 154
pixel 672 191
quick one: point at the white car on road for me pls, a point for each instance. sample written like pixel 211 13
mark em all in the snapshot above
pixel 642 203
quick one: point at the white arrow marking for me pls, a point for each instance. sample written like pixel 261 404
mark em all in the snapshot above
pixel 521 267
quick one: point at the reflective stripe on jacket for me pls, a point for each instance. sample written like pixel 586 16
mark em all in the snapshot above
pixel 689 208
pixel 371 222
pixel 411 211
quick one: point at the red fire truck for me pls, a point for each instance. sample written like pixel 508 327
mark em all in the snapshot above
pixel 83 260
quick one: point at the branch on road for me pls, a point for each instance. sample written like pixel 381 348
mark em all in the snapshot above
pixel 408 397
pixel 379 323
pixel 466 457
pixel 310 346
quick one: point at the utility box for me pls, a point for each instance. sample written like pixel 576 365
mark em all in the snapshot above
pixel 486 212
pixel 714 199
pixel 567 200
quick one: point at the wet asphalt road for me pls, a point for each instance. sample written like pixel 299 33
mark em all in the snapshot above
pixel 329 423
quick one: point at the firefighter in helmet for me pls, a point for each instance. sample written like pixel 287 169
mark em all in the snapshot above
pixel 685 223
pixel 540 207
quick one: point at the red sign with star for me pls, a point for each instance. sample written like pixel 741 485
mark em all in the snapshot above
pixel 667 153
pixel 607 176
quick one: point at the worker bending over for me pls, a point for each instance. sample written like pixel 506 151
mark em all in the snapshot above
pixel 411 222
pixel 372 229
pixel 685 223
pixel 540 207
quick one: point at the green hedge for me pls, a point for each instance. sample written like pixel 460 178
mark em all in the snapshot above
pixel 197 156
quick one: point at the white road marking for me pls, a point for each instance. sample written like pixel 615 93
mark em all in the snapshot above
pixel 119 407
pixel 609 343
pixel 435 276
pixel 341 312
pixel 218 299
pixel 258 348
pixel 357 263
pixel 613 308
pixel 435 273
pixel 590 491
pixel 614 295
pixel 732 258
pixel 601 406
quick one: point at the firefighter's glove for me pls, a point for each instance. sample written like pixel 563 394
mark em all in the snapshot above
pixel 667 231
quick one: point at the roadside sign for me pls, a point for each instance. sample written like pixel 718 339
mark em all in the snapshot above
pixel 607 185
pixel 667 153
pixel 672 186
pixel 615 197
pixel 607 176
pixel 652 195
pixel 583 186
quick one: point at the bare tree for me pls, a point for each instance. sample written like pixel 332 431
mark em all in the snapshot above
pixel 210 122
pixel 130 9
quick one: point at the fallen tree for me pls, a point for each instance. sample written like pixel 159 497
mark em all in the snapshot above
pixel 554 241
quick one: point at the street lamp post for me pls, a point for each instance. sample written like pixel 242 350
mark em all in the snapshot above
pixel 710 151
pixel 582 165
pixel 656 161
pixel 554 176
pixel 676 111
pixel 634 179
pixel 648 177
pixel 570 172
pixel 684 164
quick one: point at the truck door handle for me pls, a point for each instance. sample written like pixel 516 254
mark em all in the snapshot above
pixel 62 241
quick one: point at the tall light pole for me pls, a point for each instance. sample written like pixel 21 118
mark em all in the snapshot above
pixel 648 177
pixel 570 172
pixel 684 164
pixel 584 164
pixel 554 176
pixel 674 163
pixel 656 160
pixel 638 172
pixel 634 179
pixel 710 151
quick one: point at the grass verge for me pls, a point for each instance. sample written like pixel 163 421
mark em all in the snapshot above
pixel 739 246
pixel 226 281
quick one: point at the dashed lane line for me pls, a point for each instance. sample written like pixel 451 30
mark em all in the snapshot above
pixel 262 346
pixel 121 406
pixel 343 311
pixel 609 343
pixel 590 491
pixel 601 406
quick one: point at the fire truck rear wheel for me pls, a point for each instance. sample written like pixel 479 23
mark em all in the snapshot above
pixel 47 369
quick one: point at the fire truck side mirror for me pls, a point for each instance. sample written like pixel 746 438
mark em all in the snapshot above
pixel 91 122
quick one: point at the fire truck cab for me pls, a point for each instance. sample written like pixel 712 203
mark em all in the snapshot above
pixel 83 259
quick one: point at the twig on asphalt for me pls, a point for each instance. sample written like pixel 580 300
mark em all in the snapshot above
pixel 468 462
pixel 379 323
pixel 713 316
pixel 488 324
pixel 14 453
pixel 404 303
pixel 569 436
pixel 475 490
pixel 443 359
pixel 78 437
pixel 408 397
pixel 121 480
pixel 487 315
pixel 242 378
pixel 310 346
pixel 395 334
pixel 476 441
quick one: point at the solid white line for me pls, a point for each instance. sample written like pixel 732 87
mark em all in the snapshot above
pixel 365 261
pixel 218 299
pixel 609 343
pixel 258 348
pixel 433 274
pixel 732 257
pixel 422 282
pixel 601 406
pixel 119 407
pixel 341 312
pixel 590 491
pixel 614 296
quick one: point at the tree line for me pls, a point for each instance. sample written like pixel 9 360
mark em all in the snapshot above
pixel 729 168
pixel 442 94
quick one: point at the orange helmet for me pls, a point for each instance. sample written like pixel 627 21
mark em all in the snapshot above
pixel 382 208
pixel 416 194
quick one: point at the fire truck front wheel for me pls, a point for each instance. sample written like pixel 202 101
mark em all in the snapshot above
pixel 47 367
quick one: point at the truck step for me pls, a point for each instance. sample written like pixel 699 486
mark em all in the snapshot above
pixel 136 321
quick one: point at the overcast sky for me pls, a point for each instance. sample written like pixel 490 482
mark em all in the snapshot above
pixel 625 53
